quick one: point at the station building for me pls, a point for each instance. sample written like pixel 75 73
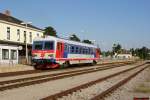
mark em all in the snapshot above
pixel 14 35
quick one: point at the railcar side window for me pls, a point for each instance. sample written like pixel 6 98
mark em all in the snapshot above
pixel 80 50
pixel 77 49
pixel 93 50
pixel 72 49
pixel 66 47
pixel 49 45
pixel 84 51
pixel 90 50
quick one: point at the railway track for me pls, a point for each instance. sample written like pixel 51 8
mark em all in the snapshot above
pixel 117 85
pixel 7 74
pixel 15 83
pixel 104 93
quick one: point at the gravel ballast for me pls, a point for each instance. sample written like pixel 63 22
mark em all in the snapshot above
pixel 90 92
pixel 46 73
pixel 128 91
pixel 39 91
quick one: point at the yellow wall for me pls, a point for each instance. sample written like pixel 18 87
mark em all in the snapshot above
pixel 13 32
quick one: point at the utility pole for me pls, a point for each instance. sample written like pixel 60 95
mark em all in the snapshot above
pixel 26 26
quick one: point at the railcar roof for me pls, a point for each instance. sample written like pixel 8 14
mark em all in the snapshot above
pixel 64 40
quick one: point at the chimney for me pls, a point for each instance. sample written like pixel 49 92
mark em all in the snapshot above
pixel 7 12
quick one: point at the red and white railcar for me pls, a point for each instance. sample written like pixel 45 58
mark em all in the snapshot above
pixel 51 52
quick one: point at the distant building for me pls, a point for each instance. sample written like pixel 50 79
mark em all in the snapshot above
pixel 14 35
pixel 124 56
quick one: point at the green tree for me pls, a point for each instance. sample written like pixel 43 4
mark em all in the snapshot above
pixel 143 53
pixel 132 51
pixel 50 31
pixel 74 38
pixel 87 41
pixel 107 53
pixel 116 48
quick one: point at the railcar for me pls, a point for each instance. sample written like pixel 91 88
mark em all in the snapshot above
pixel 53 52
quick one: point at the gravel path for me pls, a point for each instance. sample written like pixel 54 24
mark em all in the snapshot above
pixel 38 91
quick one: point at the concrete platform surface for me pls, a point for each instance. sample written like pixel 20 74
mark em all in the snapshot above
pixel 16 67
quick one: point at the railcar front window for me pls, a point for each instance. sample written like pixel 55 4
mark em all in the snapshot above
pixel 49 45
pixel 38 46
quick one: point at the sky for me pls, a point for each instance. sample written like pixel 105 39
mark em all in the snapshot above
pixel 104 21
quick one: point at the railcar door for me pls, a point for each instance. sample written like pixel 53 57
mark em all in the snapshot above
pixel 66 49
pixel 97 53
pixel 59 50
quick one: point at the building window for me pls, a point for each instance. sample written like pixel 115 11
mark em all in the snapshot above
pixel 37 34
pixel 13 54
pixel 25 37
pixel 31 37
pixel 8 33
pixel 5 54
pixel 18 35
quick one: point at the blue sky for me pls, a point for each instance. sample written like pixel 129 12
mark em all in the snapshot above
pixel 107 21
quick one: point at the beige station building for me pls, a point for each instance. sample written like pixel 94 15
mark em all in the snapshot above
pixel 14 34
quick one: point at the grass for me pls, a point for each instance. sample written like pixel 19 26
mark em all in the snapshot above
pixel 142 88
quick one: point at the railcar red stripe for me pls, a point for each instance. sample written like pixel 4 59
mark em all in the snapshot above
pixel 42 51
pixel 73 59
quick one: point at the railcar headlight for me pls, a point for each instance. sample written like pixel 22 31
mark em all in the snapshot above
pixel 50 55
pixel 34 55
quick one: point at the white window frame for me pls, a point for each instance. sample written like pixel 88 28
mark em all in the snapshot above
pixel 8 33
pixel 30 36
pixel 3 56
pixel 18 34
pixel 14 57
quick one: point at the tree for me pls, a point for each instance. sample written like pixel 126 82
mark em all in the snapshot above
pixel 116 48
pixel 143 53
pixel 50 31
pixel 107 53
pixel 132 51
pixel 74 38
pixel 87 41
